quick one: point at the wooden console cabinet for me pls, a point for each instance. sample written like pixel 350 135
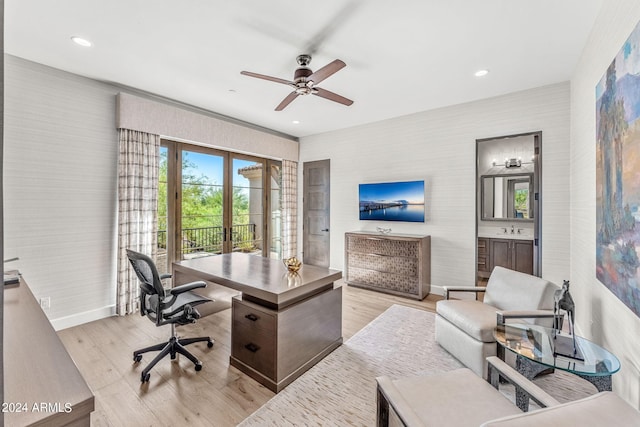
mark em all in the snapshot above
pixel 42 384
pixel 398 264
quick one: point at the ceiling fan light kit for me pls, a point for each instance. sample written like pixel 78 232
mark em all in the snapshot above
pixel 305 81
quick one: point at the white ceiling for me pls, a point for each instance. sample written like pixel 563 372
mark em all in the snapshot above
pixel 402 57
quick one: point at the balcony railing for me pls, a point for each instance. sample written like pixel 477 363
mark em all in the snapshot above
pixel 209 239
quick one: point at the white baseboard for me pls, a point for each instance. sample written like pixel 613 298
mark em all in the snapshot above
pixel 438 290
pixel 84 317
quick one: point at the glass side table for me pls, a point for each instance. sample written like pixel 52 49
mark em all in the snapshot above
pixel 535 349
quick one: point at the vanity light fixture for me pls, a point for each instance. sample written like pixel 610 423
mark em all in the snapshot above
pixel 81 42
pixel 481 73
pixel 296 122
pixel 512 163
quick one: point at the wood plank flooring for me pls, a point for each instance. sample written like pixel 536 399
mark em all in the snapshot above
pixel 219 395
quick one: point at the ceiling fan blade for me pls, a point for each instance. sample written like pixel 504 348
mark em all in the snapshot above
pixel 326 71
pixel 333 24
pixel 293 95
pixel 323 93
pixel 262 76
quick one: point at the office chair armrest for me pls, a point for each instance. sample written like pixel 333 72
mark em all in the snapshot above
pixel 476 289
pixel 165 276
pixel 187 287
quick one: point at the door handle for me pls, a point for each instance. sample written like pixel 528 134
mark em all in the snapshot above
pixel 252 347
pixel 326 229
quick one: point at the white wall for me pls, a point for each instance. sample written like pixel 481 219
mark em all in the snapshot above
pixel 60 187
pixel 600 315
pixel 60 181
pixel 439 147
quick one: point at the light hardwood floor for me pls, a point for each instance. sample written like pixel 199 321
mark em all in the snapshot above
pixel 219 395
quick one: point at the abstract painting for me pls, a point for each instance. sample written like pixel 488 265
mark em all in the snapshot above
pixel 618 175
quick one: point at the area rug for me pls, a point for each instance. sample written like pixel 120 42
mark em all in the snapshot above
pixel 341 389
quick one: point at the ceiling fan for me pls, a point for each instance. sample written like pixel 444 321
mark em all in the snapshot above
pixel 305 81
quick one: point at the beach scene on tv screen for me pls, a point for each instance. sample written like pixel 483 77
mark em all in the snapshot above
pixel 392 201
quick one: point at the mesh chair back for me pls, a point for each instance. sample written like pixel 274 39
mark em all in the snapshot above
pixel 147 273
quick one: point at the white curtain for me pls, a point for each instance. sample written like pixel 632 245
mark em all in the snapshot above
pixel 137 209
pixel 289 208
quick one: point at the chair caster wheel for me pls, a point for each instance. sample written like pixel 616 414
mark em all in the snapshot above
pixel 210 344
pixel 145 378
pixel 137 358
pixel 198 366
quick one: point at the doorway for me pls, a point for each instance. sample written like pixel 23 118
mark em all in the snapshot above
pixel 508 204
pixel 316 211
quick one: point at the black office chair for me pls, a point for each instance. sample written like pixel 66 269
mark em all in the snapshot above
pixel 171 306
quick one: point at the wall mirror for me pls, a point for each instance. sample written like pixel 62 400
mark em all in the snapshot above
pixel 507 197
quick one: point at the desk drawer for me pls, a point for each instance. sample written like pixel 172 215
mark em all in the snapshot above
pixel 253 338
pixel 255 349
pixel 253 318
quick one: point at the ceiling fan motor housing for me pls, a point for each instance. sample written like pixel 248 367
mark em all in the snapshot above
pixel 302 85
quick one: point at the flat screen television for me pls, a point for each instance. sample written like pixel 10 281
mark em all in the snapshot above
pixel 392 201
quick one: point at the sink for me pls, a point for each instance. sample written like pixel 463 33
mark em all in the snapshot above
pixel 496 233
pixel 515 236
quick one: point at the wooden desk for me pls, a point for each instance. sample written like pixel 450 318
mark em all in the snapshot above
pixel 283 324
pixel 41 382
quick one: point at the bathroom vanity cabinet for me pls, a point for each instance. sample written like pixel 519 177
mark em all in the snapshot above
pixel 514 254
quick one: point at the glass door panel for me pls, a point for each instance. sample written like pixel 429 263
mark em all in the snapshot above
pixel 202 205
pixel 275 208
pixel 162 260
pixel 247 218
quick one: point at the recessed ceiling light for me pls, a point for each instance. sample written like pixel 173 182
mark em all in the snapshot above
pixel 481 73
pixel 80 41
pixel 296 122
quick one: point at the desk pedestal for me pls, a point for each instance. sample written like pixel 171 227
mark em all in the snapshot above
pixel 275 347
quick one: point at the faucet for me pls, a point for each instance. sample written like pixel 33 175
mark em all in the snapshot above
pixel 512 231
pixel 504 230
pixel 519 230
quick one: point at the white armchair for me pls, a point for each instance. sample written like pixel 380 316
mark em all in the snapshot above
pixel 465 327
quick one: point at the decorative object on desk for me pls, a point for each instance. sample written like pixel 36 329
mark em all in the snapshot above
pixel 383 230
pixel 11 277
pixel 293 264
pixel 293 279
pixel 564 345
pixel 617 142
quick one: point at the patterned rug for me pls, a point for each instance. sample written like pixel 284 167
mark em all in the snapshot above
pixel 341 389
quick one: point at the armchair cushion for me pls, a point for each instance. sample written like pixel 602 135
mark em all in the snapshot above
pixel 602 409
pixel 475 318
pixel 454 398
pixel 512 290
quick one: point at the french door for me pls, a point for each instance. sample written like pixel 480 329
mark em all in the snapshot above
pixel 212 202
